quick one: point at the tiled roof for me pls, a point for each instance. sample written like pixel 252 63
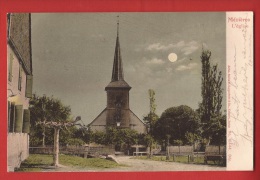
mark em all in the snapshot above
pixel 118 84
pixel 19 37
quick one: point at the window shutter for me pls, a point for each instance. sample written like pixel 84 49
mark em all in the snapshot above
pixel 11 114
pixel 26 121
pixel 18 118
pixel 8 111
pixel 29 84
pixel 10 68
pixel 20 77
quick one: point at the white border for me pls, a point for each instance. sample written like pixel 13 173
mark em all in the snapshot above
pixel 239 73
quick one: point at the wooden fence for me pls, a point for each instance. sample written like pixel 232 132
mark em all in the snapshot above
pixel 82 151
pixel 182 151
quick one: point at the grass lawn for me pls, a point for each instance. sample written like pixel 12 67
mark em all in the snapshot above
pixel 37 162
pixel 180 159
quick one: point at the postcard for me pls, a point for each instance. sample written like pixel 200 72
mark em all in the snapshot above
pixel 130 92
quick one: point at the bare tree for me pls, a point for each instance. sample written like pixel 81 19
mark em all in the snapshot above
pixel 57 126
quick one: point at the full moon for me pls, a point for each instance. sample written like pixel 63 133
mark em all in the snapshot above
pixel 172 57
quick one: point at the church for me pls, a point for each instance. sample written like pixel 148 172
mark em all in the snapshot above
pixel 117 112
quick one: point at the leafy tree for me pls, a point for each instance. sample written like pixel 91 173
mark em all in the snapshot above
pixel 75 142
pixel 178 142
pixel 119 137
pixel 192 138
pixel 152 117
pixel 51 113
pixel 150 121
pixel 175 122
pixel 212 95
pixel 44 109
pixel 83 134
pixel 218 130
pixel 98 137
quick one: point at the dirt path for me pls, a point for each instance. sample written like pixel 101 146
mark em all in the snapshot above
pixel 144 165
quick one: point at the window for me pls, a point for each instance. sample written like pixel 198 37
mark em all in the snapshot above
pixel 20 77
pixel 10 67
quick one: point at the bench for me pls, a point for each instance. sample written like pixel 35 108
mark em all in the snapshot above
pixel 139 153
pixel 215 154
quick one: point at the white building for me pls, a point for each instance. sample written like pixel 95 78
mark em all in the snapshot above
pixel 19 91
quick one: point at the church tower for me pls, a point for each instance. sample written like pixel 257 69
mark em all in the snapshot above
pixel 118 92
pixel 117 112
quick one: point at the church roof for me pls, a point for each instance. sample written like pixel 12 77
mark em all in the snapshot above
pixel 118 84
pixel 117 80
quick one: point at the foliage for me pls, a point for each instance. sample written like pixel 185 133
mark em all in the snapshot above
pixel 218 130
pixel 75 142
pixel 176 121
pixel 211 90
pixel 149 140
pixel 115 136
pixel 212 95
pixel 44 109
pixel 48 108
pixel 99 137
pixel 150 120
pixel 51 113
pixel 178 142
pixel 83 134
pixel 152 117
pixel 192 138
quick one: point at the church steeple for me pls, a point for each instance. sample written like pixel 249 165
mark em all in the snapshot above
pixel 117 80
pixel 117 73
pixel 117 112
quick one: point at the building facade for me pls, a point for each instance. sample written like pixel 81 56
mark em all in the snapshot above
pixel 19 90
pixel 117 112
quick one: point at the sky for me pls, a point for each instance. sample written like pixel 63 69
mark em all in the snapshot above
pixel 73 53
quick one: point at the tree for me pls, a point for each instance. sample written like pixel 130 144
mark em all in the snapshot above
pixel 57 126
pixel 218 130
pixel 150 121
pixel 46 108
pixel 175 122
pixel 99 137
pixel 120 137
pixel 212 95
pixel 51 113
pixel 152 117
pixel 83 134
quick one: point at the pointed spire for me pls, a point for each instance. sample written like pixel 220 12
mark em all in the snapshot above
pixel 117 26
pixel 117 80
pixel 117 73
